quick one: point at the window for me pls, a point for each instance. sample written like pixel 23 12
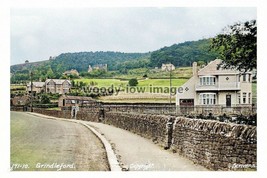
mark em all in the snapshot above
pixel 207 80
pixel 207 98
pixel 238 98
pixel 244 98
pixel 249 97
pixel 244 77
pixel 249 76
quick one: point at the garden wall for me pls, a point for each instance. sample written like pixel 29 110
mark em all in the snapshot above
pixel 215 145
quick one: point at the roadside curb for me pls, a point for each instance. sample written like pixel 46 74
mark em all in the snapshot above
pixel 112 159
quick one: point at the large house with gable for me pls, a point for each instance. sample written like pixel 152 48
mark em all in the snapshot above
pixel 37 87
pixel 57 86
pixel 60 86
pixel 214 86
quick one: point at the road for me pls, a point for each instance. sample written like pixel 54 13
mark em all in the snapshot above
pixel 49 145
pixel 140 154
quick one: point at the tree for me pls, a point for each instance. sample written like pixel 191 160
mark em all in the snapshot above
pixel 45 99
pixel 237 46
pixel 145 76
pixel 73 83
pixel 133 82
pixel 50 73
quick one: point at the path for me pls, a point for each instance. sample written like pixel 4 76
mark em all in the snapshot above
pixel 139 154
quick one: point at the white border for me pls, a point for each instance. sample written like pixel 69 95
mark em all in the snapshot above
pixel 5 65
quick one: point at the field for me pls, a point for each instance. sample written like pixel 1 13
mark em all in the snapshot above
pixel 147 90
pixel 17 89
pixel 141 83
pixel 178 73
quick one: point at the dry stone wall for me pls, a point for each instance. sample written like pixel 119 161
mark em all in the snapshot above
pixel 82 114
pixel 149 126
pixel 215 145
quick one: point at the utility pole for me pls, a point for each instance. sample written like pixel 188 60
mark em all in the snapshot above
pixel 170 85
pixel 31 74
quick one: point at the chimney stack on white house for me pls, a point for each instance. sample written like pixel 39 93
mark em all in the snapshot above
pixel 194 68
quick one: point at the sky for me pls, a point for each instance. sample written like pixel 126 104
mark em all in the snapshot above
pixel 37 34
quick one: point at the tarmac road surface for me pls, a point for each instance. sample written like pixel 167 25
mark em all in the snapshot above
pixel 39 144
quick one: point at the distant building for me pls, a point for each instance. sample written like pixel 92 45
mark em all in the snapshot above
pixel 20 100
pixel 71 72
pixel 98 67
pixel 90 69
pixel 59 86
pixel 167 67
pixel 75 101
pixel 37 87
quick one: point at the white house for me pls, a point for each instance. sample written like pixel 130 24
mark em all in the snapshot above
pixel 167 67
pixel 213 86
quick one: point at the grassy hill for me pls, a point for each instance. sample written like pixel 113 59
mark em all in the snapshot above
pixel 120 65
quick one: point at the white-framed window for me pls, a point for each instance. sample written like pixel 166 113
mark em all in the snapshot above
pixel 249 98
pixel 207 98
pixel 207 80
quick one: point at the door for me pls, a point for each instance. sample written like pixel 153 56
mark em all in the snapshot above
pixel 228 100
pixel 186 106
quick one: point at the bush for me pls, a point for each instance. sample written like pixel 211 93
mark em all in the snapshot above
pixel 45 99
pixel 133 82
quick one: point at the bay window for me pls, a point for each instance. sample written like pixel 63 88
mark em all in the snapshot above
pixel 207 98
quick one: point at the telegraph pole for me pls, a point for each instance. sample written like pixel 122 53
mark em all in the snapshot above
pixel 170 85
pixel 31 74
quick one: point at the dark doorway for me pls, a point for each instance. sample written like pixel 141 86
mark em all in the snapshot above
pixel 228 100
pixel 186 105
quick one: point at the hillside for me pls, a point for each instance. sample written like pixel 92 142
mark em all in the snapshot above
pixel 121 64
pixel 183 54
pixel 81 60
pixel 27 66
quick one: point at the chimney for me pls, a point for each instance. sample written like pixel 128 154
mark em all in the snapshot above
pixel 194 68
